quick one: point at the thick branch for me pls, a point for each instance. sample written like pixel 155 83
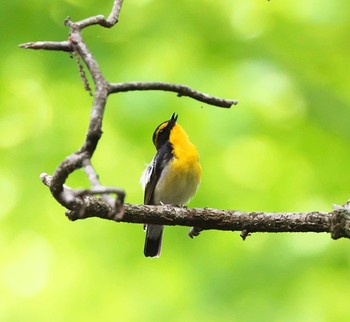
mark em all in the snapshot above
pixel 208 218
pixel 234 220
pixel 181 90
pixel 336 222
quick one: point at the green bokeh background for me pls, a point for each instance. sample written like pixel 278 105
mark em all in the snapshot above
pixel 285 147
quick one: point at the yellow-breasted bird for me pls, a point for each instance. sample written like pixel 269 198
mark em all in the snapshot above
pixel 172 177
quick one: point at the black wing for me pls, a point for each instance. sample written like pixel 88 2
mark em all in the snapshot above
pixel 163 156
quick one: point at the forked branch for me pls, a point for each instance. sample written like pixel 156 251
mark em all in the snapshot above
pixel 84 202
pixel 97 200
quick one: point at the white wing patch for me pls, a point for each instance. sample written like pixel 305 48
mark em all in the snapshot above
pixel 146 175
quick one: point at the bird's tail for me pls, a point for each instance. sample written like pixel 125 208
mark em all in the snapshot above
pixel 153 242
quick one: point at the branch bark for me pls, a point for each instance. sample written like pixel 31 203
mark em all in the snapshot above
pixel 336 222
pixel 48 45
pixel 181 90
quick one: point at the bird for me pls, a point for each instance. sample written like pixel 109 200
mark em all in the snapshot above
pixel 172 177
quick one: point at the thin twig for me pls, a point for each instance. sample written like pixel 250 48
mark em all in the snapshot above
pixel 181 90
pixel 48 45
pixel 103 191
pixel 111 20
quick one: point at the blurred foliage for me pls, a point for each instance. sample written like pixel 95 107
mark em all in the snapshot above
pixel 285 147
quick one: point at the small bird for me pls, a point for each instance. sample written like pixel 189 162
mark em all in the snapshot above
pixel 172 177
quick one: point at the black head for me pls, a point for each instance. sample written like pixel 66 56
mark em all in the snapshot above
pixel 162 132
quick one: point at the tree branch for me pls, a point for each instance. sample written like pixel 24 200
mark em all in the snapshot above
pixel 68 197
pixel 181 90
pixel 336 222
pixel 82 203
pixel 48 45
pixel 97 202
pixel 112 19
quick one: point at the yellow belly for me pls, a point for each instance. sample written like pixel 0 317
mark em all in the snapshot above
pixel 178 182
